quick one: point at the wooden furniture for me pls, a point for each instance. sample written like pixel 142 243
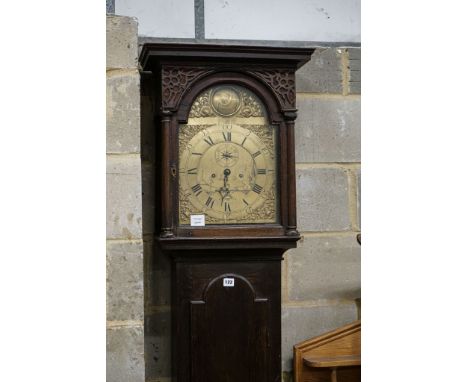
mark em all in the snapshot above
pixel 226 202
pixel 331 357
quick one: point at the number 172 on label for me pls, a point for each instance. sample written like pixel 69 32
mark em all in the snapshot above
pixel 228 282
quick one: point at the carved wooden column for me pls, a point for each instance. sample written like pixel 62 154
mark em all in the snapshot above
pixel 166 181
pixel 290 117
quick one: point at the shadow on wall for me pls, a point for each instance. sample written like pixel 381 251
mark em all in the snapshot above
pixel 157 269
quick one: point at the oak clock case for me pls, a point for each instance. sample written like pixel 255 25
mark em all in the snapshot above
pixel 228 159
pixel 225 149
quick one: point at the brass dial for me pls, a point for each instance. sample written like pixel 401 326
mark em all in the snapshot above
pixel 227 168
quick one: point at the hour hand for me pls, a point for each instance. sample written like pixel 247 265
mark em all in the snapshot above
pixel 224 191
pixel 227 172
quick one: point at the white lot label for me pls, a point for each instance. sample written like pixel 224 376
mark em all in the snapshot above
pixel 197 220
pixel 228 282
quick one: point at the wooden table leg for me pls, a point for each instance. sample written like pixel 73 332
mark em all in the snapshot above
pixel 333 375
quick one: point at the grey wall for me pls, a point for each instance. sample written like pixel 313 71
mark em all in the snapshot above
pixel 319 20
pixel 124 244
pixel 292 20
pixel 160 18
pixel 321 278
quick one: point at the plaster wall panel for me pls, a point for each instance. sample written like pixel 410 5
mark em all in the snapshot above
pixel 297 20
pixel 160 18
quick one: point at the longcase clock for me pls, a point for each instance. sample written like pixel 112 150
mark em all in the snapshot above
pixel 226 202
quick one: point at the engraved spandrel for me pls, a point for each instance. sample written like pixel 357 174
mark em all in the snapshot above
pixel 187 132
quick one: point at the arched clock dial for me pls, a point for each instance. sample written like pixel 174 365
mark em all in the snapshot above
pixel 227 160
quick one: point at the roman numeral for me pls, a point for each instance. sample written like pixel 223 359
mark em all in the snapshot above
pixel 209 141
pixel 227 207
pixel 242 144
pixel 256 154
pixel 245 201
pixel 197 154
pixel 257 188
pixel 209 202
pixel 192 171
pixel 197 189
pixel 227 136
pixel 261 171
